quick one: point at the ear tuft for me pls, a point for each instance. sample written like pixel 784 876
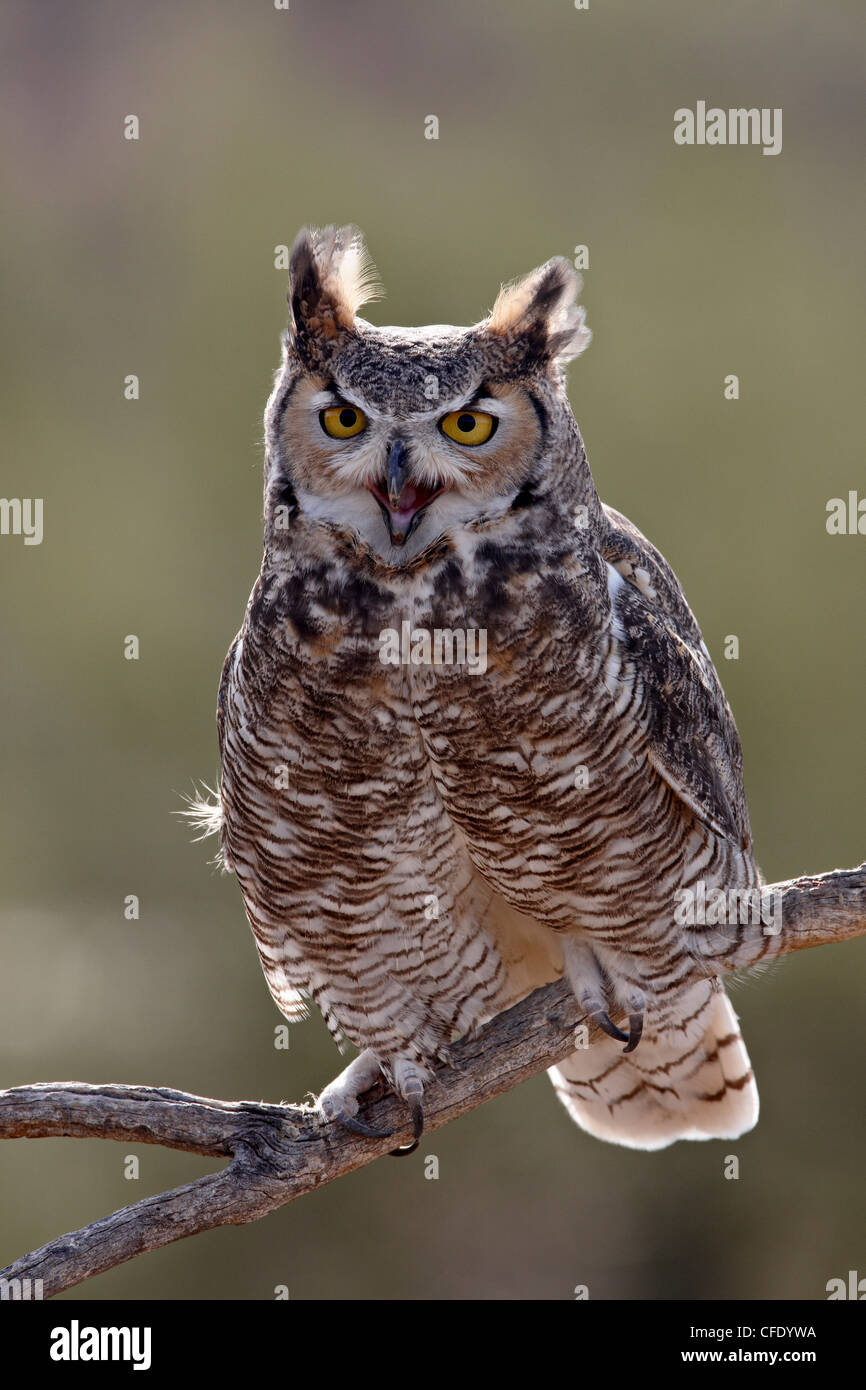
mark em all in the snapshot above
pixel 330 277
pixel 539 314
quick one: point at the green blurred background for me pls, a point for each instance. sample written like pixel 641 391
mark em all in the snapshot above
pixel 156 258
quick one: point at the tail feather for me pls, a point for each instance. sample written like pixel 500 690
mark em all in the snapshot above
pixel 690 1077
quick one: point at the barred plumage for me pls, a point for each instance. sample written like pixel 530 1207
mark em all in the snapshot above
pixel 419 845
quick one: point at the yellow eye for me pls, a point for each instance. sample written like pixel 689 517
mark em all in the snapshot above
pixel 342 421
pixel 468 426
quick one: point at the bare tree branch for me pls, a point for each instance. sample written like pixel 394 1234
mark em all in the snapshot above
pixel 822 908
pixel 279 1152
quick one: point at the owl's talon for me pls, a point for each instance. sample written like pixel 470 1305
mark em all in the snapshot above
pixel 416 1109
pixel 604 1022
pixel 404 1152
pixel 336 1114
pixel 409 1080
pixel 338 1103
pixel 635 1030
pixel 359 1127
pixel 636 1005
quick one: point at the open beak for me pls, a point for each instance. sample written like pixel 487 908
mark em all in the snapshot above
pixel 401 500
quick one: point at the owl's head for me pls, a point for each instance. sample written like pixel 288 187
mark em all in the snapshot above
pixel 400 436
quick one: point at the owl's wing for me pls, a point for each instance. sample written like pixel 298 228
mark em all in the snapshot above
pixel 222 694
pixel 692 739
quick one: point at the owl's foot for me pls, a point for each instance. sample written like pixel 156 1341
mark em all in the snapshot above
pixel 339 1100
pixel 591 984
pixel 409 1078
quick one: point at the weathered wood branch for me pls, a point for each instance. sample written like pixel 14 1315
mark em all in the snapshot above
pixel 280 1152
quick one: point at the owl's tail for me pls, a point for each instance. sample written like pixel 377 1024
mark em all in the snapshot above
pixel 690 1077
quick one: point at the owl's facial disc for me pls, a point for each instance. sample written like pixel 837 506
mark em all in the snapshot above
pixel 402 474
pixel 401 500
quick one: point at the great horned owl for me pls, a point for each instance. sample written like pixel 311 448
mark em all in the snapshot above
pixel 471 737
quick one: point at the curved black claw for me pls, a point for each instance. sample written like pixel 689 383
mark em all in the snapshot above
pixel 404 1152
pixel 635 1030
pixel 416 1109
pixel 611 1029
pixel 358 1127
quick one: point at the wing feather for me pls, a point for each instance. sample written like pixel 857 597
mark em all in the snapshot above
pixel 692 740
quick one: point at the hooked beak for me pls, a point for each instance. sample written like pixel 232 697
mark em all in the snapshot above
pixel 395 474
pixel 402 501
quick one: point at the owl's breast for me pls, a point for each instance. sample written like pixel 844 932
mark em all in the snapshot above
pixel 529 747
pixel 330 809
pixel 356 879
